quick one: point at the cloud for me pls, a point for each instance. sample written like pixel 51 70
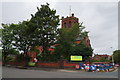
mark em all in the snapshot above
pixel 13 12
pixel 100 18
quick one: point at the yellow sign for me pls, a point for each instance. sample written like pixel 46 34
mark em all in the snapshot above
pixel 76 58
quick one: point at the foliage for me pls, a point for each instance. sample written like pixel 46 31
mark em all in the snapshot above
pixel 21 40
pixel 11 53
pixel 82 50
pixel 19 58
pixel 40 30
pixel 101 60
pixel 31 64
pixel 68 34
pixel 35 49
pixel 67 47
pixel 10 59
pixel 14 37
pixel 116 55
pixel 43 27
pixel 6 41
pixel 7 38
pixel 22 57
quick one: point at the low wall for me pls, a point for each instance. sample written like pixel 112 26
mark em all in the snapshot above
pixel 64 64
pixel 16 63
pixel 50 64
pixel 69 65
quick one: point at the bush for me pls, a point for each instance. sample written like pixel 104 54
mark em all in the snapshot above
pixel 32 64
pixel 10 59
pixel 21 58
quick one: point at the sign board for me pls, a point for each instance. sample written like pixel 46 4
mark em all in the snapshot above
pixel 76 58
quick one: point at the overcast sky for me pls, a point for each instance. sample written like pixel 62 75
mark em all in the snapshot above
pixel 100 18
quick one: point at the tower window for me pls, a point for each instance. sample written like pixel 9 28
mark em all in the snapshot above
pixel 64 25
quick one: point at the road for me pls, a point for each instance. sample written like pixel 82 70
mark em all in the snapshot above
pixel 25 73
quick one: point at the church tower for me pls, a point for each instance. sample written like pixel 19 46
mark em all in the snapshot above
pixel 69 21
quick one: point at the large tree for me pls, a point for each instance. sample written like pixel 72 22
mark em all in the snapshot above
pixel 40 30
pixel 7 38
pixel 66 38
pixel 67 47
pixel 116 55
pixel 15 36
pixel 21 39
pixel 43 27
pixel 82 50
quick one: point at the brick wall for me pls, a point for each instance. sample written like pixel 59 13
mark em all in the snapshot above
pixel 66 65
pixel 48 64
pixel 16 63
pixel 69 65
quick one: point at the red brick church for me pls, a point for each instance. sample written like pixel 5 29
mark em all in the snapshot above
pixel 69 22
pixel 66 23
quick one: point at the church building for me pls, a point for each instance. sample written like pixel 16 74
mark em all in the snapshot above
pixel 66 23
pixel 69 22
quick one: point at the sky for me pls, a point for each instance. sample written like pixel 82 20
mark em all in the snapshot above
pixel 100 17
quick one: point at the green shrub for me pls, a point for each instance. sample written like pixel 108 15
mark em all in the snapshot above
pixel 10 59
pixel 32 64
pixel 21 58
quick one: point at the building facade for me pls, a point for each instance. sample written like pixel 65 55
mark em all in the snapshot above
pixel 104 56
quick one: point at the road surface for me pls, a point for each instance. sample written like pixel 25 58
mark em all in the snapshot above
pixel 8 72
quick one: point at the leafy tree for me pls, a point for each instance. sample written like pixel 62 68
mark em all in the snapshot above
pixel 43 27
pixel 67 47
pixel 65 39
pixel 116 55
pixel 0 44
pixel 21 39
pixel 21 58
pixel 7 37
pixel 12 52
pixel 82 50
pixel 15 36
pixel 41 30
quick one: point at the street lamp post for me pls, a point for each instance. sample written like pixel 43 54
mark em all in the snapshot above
pixel 112 57
pixel 112 60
